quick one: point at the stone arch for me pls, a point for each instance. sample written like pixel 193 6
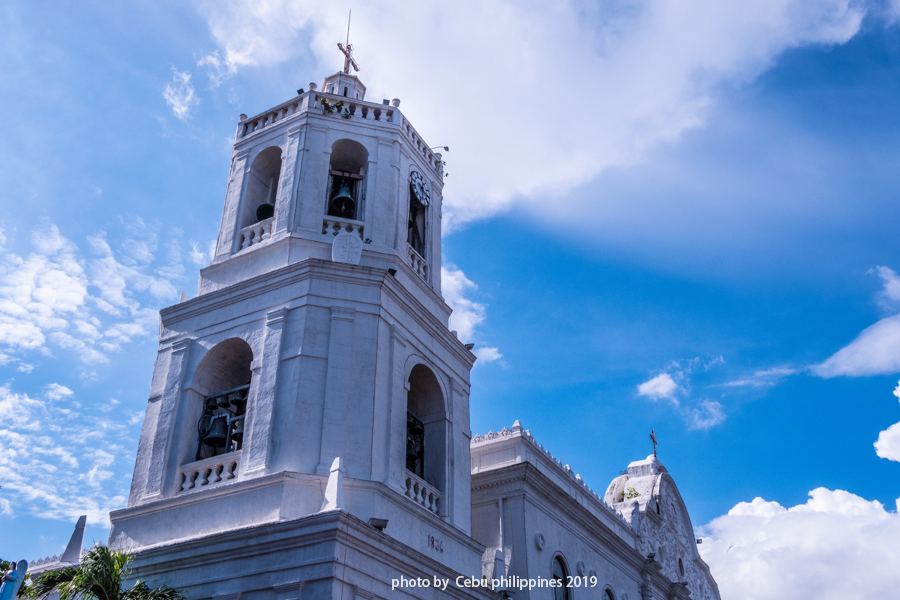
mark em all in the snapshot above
pixel 427 453
pixel 347 168
pixel 262 186
pixel 221 384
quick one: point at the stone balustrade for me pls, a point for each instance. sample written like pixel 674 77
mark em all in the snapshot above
pixel 209 471
pixel 335 225
pixel 421 493
pixel 263 120
pixel 256 233
pixel 418 263
pixel 432 158
pixel 353 109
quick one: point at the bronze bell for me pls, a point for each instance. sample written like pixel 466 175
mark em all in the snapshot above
pixel 265 211
pixel 343 202
pixel 238 434
pixel 218 432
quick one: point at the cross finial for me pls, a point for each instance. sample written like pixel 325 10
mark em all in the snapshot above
pixel 348 51
pixel 653 437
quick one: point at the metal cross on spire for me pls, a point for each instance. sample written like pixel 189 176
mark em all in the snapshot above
pixel 348 51
pixel 653 437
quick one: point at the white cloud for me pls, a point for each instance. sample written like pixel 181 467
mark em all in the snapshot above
pixel 56 297
pixel 487 354
pixel 708 414
pixel 888 443
pixel 674 385
pixel 659 387
pixel 58 463
pixel 876 350
pixel 835 546
pixel 55 391
pixel 467 314
pixel 611 81
pixel 179 94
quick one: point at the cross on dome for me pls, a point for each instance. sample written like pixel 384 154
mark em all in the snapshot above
pixel 348 58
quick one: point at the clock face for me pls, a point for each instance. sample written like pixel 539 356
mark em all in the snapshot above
pixel 420 187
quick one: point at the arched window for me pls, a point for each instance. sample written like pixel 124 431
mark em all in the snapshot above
pixel 223 377
pixel 426 429
pixel 346 180
pixel 558 575
pixel 419 199
pixel 681 567
pixel 262 187
pixel 608 595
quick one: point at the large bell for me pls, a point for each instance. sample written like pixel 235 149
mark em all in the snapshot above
pixel 414 426
pixel 343 202
pixel 265 211
pixel 238 434
pixel 218 432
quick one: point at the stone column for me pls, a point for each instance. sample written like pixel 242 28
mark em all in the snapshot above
pixel 291 160
pixel 338 377
pixel 256 453
pixel 168 407
pixel 230 214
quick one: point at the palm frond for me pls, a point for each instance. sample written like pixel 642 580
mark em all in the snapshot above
pixel 50 581
pixel 141 591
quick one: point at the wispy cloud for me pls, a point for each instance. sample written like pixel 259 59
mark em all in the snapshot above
pixel 58 462
pixel 888 443
pixel 57 297
pixel 673 384
pixel 467 314
pixel 179 94
pixel 765 378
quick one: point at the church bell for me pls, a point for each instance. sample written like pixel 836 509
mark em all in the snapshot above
pixel 343 202
pixel 266 210
pixel 218 432
pixel 238 434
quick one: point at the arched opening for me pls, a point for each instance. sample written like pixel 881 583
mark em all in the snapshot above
pixel 346 180
pixel 608 595
pixel 426 428
pixel 681 567
pixel 559 575
pixel 419 199
pixel 262 187
pixel 223 377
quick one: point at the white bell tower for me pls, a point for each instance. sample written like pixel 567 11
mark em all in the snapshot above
pixel 319 332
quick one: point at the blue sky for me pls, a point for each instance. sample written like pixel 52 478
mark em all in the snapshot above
pixel 661 216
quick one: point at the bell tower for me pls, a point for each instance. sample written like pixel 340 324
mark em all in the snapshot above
pixel 318 333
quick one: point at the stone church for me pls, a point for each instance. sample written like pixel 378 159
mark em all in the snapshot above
pixel 307 429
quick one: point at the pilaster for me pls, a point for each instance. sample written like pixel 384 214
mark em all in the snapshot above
pixel 259 444
pixel 168 408
pixel 291 160
pixel 338 378
pixel 228 229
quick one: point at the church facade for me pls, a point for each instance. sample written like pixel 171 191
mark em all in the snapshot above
pixel 307 428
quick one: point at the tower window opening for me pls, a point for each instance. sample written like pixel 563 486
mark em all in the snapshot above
pixel 346 188
pixel 419 198
pixel 426 428
pixel 262 187
pixel 345 91
pixel 223 376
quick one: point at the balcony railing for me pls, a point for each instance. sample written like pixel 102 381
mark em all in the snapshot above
pixel 421 493
pixel 335 225
pixel 418 264
pixel 209 472
pixel 256 233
